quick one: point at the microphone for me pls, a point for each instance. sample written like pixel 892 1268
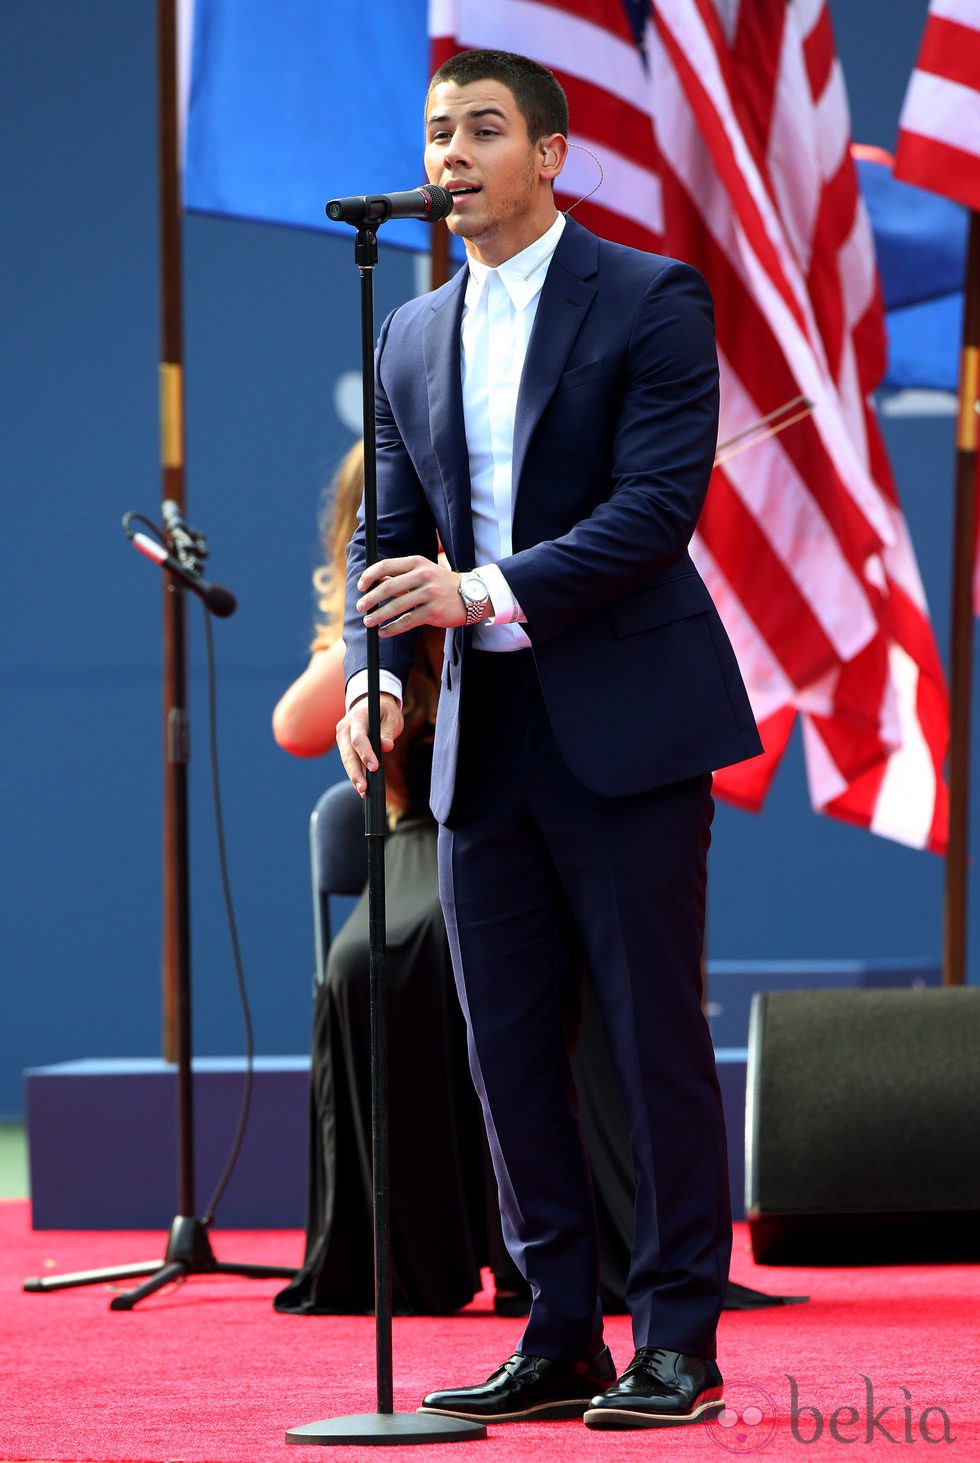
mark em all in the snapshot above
pixel 428 202
pixel 220 601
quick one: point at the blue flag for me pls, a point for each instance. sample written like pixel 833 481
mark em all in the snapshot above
pixel 920 244
pixel 299 102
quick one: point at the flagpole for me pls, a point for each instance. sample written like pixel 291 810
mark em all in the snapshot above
pixel 961 620
pixel 188 1249
pixel 439 256
pixel 176 922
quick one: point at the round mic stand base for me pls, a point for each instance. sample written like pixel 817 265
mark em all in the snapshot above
pixel 388 1428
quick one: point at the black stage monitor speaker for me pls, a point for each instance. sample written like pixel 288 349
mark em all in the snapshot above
pixel 862 1126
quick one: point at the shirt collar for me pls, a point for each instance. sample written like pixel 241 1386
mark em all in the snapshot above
pixel 523 274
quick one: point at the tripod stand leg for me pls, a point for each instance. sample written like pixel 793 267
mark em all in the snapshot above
pixel 165 1274
pixel 188 1253
pixel 90 1277
pixel 255 1272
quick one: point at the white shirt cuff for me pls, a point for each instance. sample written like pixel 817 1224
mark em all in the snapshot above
pixel 506 610
pixel 358 684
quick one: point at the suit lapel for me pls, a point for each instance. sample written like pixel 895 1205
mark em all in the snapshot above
pixel 566 296
pixel 441 356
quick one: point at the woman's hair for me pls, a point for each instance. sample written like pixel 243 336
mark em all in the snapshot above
pixel 337 526
pixel 407 767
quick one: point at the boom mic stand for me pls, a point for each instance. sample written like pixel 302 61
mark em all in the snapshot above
pixel 181 552
pixel 385 1426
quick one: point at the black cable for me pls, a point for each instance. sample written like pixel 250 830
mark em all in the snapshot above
pixel 236 1146
pixel 131 518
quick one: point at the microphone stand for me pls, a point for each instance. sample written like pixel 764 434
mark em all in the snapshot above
pixel 188 1249
pixel 385 1426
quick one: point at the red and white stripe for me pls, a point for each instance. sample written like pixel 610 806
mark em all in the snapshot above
pixel 939 127
pixel 733 146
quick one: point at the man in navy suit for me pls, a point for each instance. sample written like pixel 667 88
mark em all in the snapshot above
pixel 549 417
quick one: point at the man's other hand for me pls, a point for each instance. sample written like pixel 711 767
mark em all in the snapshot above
pixel 354 745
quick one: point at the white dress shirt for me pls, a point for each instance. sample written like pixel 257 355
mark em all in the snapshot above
pixel 498 313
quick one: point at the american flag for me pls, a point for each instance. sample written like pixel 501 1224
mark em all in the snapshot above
pixel 939 128
pixel 722 133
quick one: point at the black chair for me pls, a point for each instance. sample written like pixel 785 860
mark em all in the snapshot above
pixel 338 860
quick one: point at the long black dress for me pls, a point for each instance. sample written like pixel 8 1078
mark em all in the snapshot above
pixel 440 1231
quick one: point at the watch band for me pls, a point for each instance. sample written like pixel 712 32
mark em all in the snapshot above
pixel 476 606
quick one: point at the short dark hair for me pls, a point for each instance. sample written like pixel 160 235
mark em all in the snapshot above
pixel 538 94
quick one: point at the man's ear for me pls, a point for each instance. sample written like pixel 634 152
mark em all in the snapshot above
pixel 553 151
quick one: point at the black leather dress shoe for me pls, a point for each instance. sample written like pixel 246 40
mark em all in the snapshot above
pixel 659 1389
pixel 528 1386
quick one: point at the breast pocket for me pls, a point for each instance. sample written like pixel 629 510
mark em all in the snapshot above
pixel 580 376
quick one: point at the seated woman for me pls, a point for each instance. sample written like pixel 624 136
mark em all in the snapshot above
pixel 444 1221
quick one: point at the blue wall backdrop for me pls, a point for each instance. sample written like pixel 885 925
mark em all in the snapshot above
pixel 271 324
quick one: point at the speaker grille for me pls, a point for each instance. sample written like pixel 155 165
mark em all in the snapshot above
pixel 864 1103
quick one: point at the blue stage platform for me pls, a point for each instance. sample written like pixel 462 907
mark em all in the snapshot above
pixel 102 1134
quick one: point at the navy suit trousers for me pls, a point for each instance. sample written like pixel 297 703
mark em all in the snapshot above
pixel 536 871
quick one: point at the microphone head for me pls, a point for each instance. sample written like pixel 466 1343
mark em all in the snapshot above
pixel 220 601
pixel 440 202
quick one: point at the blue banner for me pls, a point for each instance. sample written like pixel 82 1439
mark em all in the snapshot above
pixel 296 102
pixel 920 243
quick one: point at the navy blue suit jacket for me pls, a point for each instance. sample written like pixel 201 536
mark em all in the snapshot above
pixel 613 447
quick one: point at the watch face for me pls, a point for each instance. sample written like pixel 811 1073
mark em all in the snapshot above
pixel 473 589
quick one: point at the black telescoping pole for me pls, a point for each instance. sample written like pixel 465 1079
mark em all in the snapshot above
pixel 375 825
pixel 385 1426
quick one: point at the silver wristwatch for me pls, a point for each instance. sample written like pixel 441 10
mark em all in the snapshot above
pixel 475 596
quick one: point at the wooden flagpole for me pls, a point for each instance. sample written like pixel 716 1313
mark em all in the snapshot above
pixel 176 920
pixel 439 256
pixel 961 621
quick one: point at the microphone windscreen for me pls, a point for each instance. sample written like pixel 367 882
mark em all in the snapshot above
pixel 440 200
pixel 220 601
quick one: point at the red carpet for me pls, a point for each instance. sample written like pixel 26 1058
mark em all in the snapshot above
pixel 880 1359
